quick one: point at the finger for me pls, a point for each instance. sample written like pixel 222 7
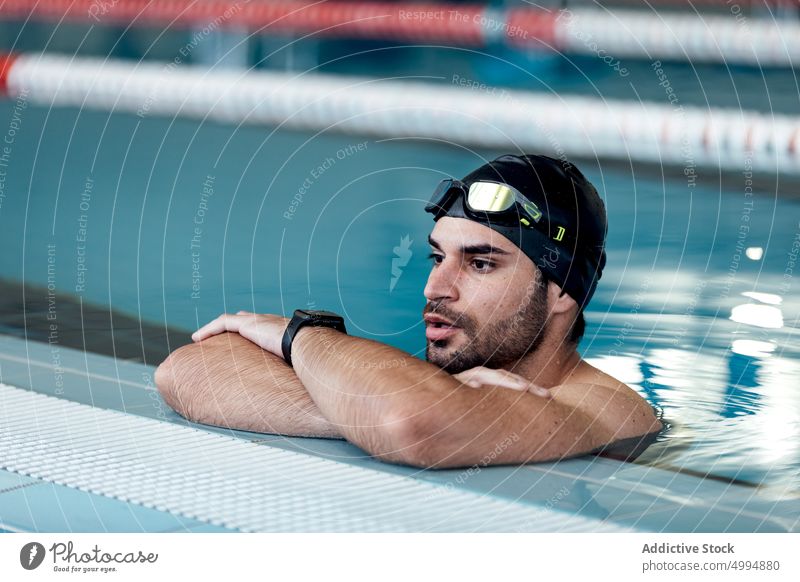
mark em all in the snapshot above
pixel 465 375
pixel 505 379
pixel 514 385
pixel 482 376
pixel 539 391
pixel 221 324
pixel 515 381
pixel 468 378
pixel 465 378
pixel 209 329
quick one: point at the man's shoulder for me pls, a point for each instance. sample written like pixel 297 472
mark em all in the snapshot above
pixel 607 401
pixel 585 373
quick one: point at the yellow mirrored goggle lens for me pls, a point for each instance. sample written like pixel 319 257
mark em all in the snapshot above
pixel 490 197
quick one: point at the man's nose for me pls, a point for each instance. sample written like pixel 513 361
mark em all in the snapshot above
pixel 443 281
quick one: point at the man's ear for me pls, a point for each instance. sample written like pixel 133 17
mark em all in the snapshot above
pixel 559 302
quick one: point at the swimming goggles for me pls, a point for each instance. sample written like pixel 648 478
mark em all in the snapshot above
pixel 484 200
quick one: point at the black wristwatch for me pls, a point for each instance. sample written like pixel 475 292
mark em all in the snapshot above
pixel 303 317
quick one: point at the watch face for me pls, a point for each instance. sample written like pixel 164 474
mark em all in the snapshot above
pixel 319 314
pixel 314 318
pixel 326 313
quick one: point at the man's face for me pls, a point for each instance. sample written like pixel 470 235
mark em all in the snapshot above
pixel 489 291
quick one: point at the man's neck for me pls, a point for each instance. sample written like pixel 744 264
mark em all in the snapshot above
pixel 548 367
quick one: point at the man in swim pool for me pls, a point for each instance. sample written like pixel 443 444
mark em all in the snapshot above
pixel 517 250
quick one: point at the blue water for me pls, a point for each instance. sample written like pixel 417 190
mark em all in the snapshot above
pixel 697 309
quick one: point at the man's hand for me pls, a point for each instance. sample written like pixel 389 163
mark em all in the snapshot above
pixel 264 330
pixel 229 381
pixel 481 376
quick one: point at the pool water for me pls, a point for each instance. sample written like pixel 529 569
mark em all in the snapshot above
pixel 173 222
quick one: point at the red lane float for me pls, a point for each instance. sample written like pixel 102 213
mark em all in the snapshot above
pixel 427 22
pixel 728 36
pixel 5 66
pixel 478 115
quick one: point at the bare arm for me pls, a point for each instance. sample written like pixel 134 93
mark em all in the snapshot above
pixel 228 381
pixel 405 410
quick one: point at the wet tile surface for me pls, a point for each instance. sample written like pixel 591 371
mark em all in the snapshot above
pixel 84 326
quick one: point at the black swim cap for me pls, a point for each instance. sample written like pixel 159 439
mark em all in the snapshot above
pixel 567 242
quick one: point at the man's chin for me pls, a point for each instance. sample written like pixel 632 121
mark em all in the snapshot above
pixel 438 352
pixel 447 356
pixel 447 344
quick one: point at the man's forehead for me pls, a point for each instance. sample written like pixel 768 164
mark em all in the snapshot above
pixel 461 232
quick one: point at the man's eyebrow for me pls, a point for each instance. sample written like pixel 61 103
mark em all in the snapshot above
pixel 484 249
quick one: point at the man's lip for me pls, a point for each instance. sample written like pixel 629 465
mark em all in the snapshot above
pixel 438 333
pixel 432 319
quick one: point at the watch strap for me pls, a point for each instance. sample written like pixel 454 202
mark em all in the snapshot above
pixel 313 318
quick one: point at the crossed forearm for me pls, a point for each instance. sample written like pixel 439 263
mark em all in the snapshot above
pixel 228 381
pixel 371 391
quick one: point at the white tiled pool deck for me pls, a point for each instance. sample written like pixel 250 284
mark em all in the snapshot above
pixel 119 439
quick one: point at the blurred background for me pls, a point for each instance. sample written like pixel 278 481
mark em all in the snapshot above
pixel 165 162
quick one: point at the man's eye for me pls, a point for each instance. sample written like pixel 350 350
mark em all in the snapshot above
pixel 437 259
pixel 482 264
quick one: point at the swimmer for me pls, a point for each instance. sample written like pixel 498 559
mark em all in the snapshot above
pixel 517 250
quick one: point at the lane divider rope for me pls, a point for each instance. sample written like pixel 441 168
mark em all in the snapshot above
pixel 569 126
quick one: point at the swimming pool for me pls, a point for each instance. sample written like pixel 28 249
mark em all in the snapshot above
pixel 173 222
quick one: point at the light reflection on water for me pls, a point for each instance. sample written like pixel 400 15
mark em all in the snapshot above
pixel 728 392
